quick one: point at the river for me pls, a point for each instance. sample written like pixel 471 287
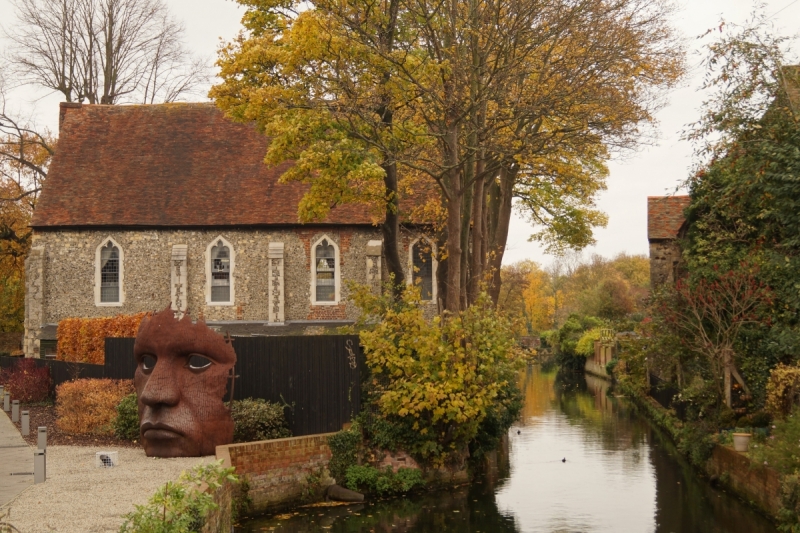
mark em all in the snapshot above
pixel 579 460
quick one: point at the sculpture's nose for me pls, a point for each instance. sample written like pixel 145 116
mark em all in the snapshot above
pixel 162 386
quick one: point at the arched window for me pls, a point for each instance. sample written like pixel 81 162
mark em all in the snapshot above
pixel 108 288
pixel 325 272
pixel 109 273
pixel 220 264
pixel 220 273
pixel 422 268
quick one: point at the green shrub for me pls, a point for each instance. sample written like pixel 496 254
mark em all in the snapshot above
pixel 435 381
pixel 383 482
pixel 782 451
pixel 344 447
pixel 789 513
pixel 126 425
pixel 182 506
pixel 257 419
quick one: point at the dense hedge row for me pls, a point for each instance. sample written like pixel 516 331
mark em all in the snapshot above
pixel 82 340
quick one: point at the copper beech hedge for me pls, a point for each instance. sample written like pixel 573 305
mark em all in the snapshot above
pixel 90 405
pixel 82 340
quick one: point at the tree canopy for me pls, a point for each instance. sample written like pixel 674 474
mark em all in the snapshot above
pixel 491 100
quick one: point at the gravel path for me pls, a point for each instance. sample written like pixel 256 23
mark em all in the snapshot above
pixel 79 498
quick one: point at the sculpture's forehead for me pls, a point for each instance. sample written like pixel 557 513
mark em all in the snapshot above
pixel 165 338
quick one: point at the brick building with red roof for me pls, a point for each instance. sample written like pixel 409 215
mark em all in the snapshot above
pixel 666 224
pixel 153 205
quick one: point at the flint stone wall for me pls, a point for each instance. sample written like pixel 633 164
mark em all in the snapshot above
pixel 69 271
pixel 665 257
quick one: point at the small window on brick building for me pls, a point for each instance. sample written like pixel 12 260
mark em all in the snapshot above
pixel 220 273
pixel 325 269
pixel 422 268
pixel 109 273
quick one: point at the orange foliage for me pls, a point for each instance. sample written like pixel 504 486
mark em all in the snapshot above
pixel 82 340
pixel 90 405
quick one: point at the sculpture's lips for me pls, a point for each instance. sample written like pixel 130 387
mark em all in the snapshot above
pixel 159 431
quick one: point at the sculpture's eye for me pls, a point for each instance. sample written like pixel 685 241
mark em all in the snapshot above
pixel 148 362
pixel 198 362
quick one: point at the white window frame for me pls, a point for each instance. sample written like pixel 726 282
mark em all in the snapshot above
pixel 434 266
pixel 98 274
pixel 337 274
pixel 230 247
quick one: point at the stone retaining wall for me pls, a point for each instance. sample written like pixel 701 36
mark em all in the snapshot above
pixel 276 470
pixel 756 483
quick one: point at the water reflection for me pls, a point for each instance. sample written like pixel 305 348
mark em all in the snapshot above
pixel 618 475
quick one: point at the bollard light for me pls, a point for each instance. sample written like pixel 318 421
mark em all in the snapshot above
pixel 15 411
pixel 26 423
pixel 39 466
pixel 6 401
pixel 41 438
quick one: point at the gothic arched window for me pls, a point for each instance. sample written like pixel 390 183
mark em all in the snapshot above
pixel 422 268
pixel 109 273
pixel 325 271
pixel 220 272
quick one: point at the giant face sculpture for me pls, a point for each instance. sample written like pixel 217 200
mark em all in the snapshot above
pixel 181 377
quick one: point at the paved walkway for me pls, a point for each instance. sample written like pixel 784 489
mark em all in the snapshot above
pixel 15 457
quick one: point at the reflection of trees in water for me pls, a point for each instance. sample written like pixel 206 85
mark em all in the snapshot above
pixel 466 509
pixel 687 503
pixel 539 392
pixel 588 403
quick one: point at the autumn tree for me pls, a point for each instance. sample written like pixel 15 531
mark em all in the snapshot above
pixel 488 99
pixel 103 51
pixel 709 314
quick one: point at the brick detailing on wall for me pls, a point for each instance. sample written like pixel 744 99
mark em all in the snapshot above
pixel 753 482
pixel 34 299
pixel 276 470
pixel 327 312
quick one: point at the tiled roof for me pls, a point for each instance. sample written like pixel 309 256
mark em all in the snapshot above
pixel 167 165
pixel 665 216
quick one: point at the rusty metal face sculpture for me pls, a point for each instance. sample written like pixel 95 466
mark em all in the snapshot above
pixel 181 377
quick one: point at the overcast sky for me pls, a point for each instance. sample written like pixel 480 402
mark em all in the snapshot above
pixel 653 170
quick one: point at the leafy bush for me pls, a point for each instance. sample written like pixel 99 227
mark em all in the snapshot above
pixel 783 390
pixel 181 507
pixel 789 513
pixel 257 419
pixel 26 382
pixel 782 451
pixel 126 424
pixel 436 380
pixel 90 405
pixel 344 447
pixel 383 482
pixel 83 340
pixel 585 346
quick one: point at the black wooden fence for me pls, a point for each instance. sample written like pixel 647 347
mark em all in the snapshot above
pixel 317 377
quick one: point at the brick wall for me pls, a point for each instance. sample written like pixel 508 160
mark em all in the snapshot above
pixel 756 483
pixel 276 470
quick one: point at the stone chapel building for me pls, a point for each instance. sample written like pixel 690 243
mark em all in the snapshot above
pixel 666 224
pixel 153 205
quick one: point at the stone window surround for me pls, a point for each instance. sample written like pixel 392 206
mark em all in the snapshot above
pixel 337 275
pixel 208 271
pixel 98 275
pixel 434 266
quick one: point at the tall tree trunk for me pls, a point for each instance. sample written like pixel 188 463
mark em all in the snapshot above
pixel 478 234
pixel 454 203
pixel 502 212
pixel 391 232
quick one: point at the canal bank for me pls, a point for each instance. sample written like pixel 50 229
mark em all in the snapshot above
pixel 580 459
